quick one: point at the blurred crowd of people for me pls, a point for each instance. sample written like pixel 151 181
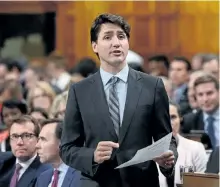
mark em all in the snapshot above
pixel 38 95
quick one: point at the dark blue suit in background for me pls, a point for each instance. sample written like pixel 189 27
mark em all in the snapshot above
pixel 72 178
pixel 28 179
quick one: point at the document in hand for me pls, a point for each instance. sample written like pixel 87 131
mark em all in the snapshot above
pixel 148 153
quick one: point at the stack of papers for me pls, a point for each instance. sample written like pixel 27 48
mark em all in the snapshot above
pixel 149 153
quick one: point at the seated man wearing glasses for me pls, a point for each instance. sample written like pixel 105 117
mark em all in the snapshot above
pixel 21 167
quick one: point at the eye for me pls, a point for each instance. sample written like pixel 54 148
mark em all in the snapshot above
pixel 107 37
pixel 121 36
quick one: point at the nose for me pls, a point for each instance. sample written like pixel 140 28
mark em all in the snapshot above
pixel 38 145
pixel 115 41
pixel 20 141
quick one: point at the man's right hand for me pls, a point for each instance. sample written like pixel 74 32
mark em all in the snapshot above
pixel 104 151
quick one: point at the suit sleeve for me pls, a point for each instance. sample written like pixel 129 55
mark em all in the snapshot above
pixel 72 150
pixel 162 122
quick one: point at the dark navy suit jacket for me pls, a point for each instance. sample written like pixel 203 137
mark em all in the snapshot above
pixel 28 179
pixel 72 178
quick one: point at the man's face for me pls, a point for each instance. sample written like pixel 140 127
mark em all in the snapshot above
pixel 9 114
pixel 23 148
pixel 212 67
pixel 157 68
pixel 48 144
pixel 178 73
pixel 175 119
pixel 3 71
pixel 30 79
pixel 207 97
pixel 51 70
pixel 112 45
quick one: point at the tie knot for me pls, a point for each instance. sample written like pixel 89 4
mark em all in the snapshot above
pixel 56 172
pixel 114 80
pixel 18 167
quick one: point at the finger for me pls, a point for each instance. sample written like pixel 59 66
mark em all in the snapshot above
pixel 170 163
pixel 104 148
pixel 105 158
pixel 172 158
pixel 109 144
pixel 167 154
pixel 105 153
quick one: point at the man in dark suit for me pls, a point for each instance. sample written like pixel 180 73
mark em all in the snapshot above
pixel 114 113
pixel 21 167
pixel 207 119
pixel 213 162
pixel 60 175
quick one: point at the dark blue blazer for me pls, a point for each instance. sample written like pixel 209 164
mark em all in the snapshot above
pixel 72 178
pixel 28 179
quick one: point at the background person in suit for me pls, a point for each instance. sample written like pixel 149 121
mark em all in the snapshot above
pixel 191 153
pixel 21 167
pixel 60 175
pixel 207 119
pixel 114 113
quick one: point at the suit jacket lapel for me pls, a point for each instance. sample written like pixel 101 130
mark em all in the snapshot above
pixel 68 177
pixel 133 93
pixel 100 103
pixel 47 178
pixel 29 175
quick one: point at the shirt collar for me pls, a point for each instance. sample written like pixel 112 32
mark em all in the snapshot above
pixel 62 167
pixel 27 163
pixel 122 75
pixel 215 115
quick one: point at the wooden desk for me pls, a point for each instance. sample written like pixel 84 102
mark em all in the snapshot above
pixel 179 185
pixel 200 180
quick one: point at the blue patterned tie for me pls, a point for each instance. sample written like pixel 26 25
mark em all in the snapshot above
pixel 114 104
pixel 211 130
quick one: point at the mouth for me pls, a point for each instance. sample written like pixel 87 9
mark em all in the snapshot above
pixel 117 52
pixel 21 150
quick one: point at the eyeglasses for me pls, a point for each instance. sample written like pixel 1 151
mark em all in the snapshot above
pixel 24 136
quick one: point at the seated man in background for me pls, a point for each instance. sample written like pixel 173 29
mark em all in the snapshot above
pixel 21 167
pixel 48 150
pixel 159 65
pixel 191 153
pixel 207 96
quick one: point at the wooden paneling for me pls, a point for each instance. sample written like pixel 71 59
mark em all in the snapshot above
pixel 173 28
pixel 169 27
pixel 27 7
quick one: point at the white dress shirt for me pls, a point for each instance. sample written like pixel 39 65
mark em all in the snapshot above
pixel 24 165
pixel 190 153
pixel 216 125
pixel 121 87
pixel 63 168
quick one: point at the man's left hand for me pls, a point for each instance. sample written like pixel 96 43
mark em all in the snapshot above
pixel 166 160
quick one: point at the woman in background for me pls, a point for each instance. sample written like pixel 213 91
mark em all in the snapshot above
pixel 191 153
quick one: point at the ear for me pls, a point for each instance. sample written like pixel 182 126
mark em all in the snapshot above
pixel 94 47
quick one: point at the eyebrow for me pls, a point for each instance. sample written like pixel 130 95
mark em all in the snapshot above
pixel 118 32
pixel 42 138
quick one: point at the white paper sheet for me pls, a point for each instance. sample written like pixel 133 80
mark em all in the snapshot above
pixel 148 153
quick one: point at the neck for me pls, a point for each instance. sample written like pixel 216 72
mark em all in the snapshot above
pixel 57 163
pixel 213 111
pixel 112 69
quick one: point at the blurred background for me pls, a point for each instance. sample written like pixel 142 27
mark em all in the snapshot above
pixel 35 29
pixel 45 46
